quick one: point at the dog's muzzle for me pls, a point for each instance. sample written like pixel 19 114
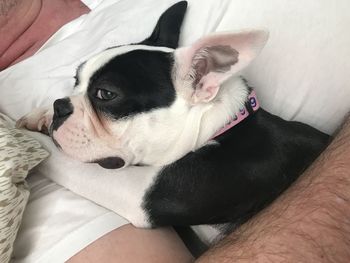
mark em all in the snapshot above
pixel 63 108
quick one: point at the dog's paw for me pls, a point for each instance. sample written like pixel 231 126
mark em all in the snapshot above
pixel 38 119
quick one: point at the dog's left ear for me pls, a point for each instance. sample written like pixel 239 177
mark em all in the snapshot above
pixel 167 30
pixel 213 59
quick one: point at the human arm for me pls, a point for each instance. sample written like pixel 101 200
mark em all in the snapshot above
pixel 27 25
pixel 308 223
pixel 130 244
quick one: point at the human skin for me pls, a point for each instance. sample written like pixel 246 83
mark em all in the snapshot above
pixel 309 223
pixel 132 245
pixel 26 25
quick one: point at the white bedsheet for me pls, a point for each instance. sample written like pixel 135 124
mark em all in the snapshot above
pixel 58 223
pixel 303 74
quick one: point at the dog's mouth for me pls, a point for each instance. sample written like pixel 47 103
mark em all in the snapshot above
pixel 107 163
pixel 50 133
pixel 111 162
pixel 50 130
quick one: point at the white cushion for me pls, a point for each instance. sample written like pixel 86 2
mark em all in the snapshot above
pixel 303 73
pixel 49 74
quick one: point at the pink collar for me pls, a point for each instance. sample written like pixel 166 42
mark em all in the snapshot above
pixel 243 114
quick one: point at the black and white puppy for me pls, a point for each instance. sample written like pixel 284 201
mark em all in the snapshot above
pixel 216 156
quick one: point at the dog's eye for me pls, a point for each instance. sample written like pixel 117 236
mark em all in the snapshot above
pixel 103 94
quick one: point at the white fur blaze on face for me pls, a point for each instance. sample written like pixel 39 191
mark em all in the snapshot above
pixel 160 136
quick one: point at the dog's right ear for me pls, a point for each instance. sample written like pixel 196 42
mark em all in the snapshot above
pixel 167 30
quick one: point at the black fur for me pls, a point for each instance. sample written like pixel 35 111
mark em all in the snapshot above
pixel 141 79
pixel 167 30
pixel 165 34
pixel 226 182
pixel 231 181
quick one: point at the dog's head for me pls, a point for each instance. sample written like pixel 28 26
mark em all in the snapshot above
pixel 147 104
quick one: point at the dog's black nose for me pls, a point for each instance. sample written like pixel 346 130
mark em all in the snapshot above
pixel 62 108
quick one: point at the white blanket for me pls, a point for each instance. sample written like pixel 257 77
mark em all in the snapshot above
pixel 303 73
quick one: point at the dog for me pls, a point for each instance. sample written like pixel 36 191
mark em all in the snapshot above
pixel 217 156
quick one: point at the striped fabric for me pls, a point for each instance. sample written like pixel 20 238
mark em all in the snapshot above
pixel 18 154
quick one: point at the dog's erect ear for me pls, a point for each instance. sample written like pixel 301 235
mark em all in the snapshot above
pixel 167 30
pixel 213 59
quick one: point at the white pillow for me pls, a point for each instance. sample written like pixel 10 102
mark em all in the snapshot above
pixel 302 74
pixel 48 75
